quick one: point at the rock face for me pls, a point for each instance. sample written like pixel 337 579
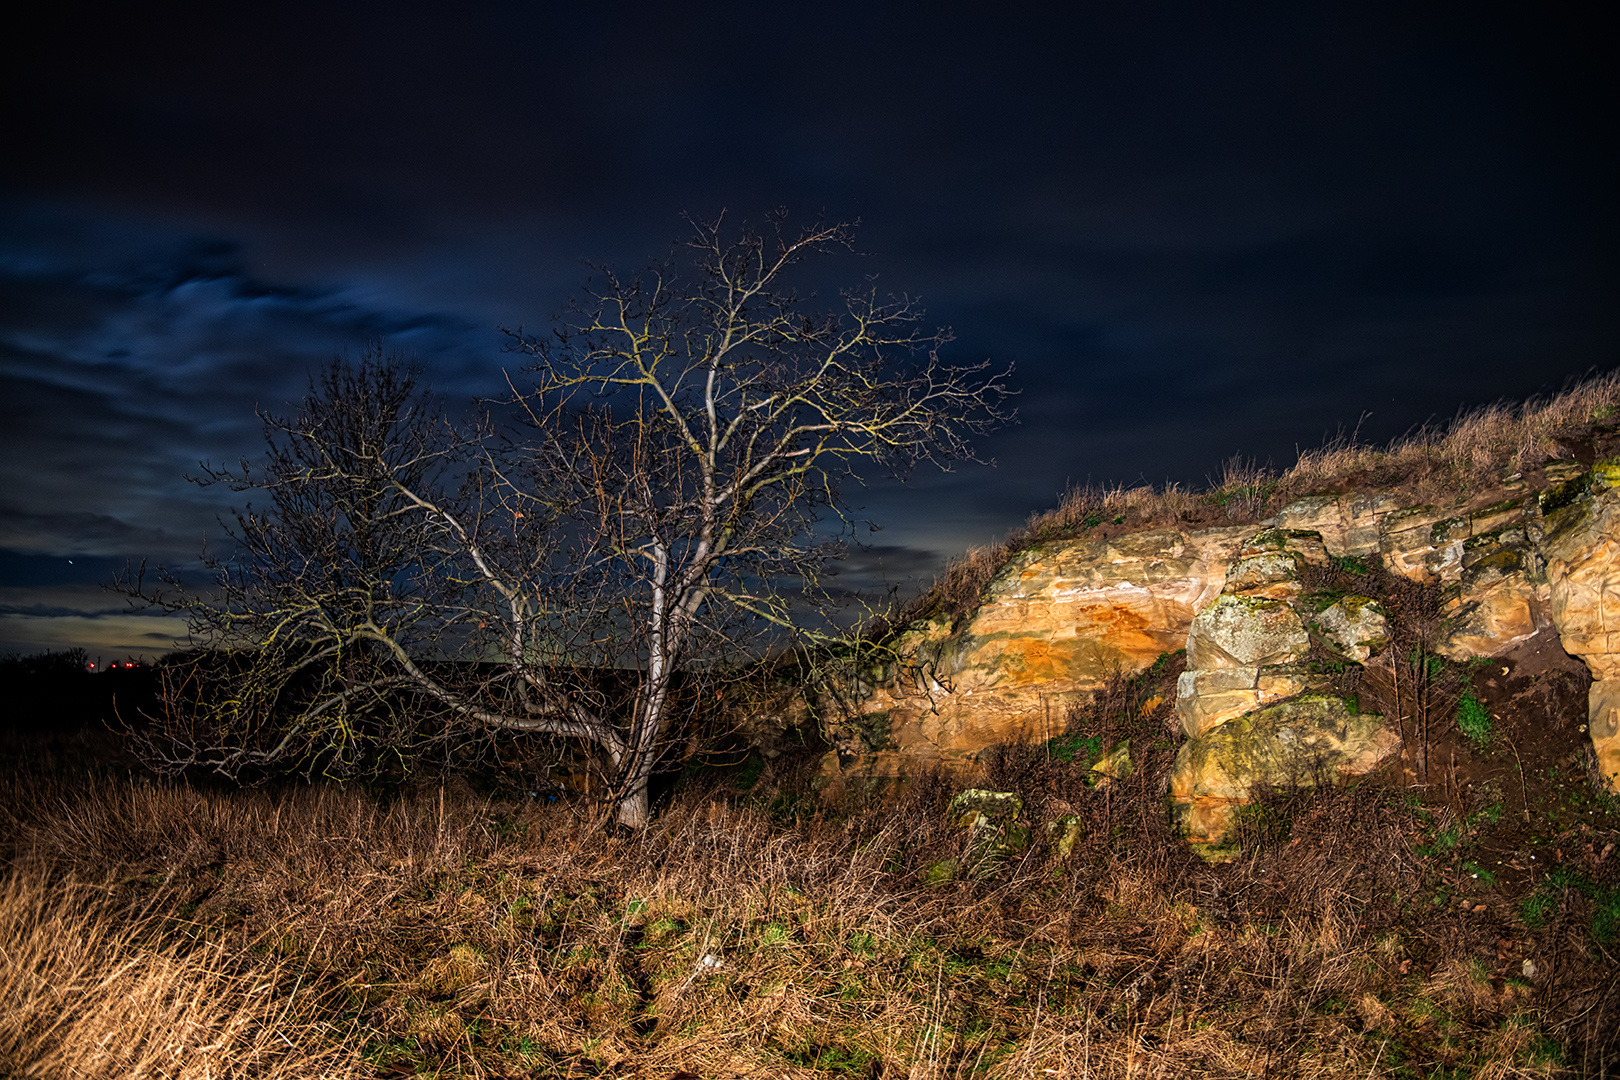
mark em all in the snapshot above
pixel 1061 618
pixel 1582 549
pixel 1058 621
pixel 1242 650
pixel 1302 741
pixel 1244 699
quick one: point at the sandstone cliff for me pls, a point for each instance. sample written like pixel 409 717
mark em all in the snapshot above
pixel 1527 556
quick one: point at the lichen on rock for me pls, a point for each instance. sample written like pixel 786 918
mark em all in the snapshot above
pixel 1245 631
pixel 1355 625
pixel 996 832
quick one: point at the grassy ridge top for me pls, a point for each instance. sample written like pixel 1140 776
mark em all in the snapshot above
pixel 1472 454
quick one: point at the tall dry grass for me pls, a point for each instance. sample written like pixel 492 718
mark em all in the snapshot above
pixel 1476 447
pixel 444 933
pixel 87 991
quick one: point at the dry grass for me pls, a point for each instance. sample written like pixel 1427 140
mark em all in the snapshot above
pixel 444 934
pixel 86 991
pixel 1476 447
pixel 1470 454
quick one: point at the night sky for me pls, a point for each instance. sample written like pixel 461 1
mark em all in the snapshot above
pixel 1198 230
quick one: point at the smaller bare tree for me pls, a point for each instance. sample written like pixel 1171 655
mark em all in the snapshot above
pixel 279 676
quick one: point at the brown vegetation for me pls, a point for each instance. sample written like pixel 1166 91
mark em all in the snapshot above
pixel 439 933
pixel 1473 453
pixel 91 990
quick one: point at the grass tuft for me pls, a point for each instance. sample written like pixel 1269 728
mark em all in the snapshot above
pixel 1473 721
pixel 87 990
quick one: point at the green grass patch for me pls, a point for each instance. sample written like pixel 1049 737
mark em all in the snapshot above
pixel 1082 749
pixel 1473 721
pixel 1603 902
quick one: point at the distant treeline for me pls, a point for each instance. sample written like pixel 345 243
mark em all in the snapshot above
pixel 57 689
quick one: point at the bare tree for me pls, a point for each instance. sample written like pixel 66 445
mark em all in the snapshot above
pixel 662 499
pixel 282 673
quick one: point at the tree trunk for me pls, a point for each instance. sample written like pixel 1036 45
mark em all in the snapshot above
pixel 641 751
pixel 633 810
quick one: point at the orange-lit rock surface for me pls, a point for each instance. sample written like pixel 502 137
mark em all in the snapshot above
pixel 1061 617
pixel 1300 741
pixel 1582 549
pixel 1057 621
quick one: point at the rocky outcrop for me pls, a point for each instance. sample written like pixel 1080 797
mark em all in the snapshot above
pixel 1303 741
pixel 1061 618
pixel 1056 623
pixel 1582 549
pixel 1424 542
pixel 1502 596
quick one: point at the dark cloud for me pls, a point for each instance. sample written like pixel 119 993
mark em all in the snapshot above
pixel 1197 231
pixel 49 611
pixel 874 569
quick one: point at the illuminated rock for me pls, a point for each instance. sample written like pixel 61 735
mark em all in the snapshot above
pixel 1355 625
pixel 1061 618
pixel 1303 741
pixel 1582 549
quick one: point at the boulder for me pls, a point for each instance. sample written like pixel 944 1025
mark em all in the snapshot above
pixel 1301 741
pixel 1245 632
pixel 1063 832
pixel 1207 699
pixel 995 830
pixel 1116 764
pixel 977 807
pixel 1355 625
pixel 1270 575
